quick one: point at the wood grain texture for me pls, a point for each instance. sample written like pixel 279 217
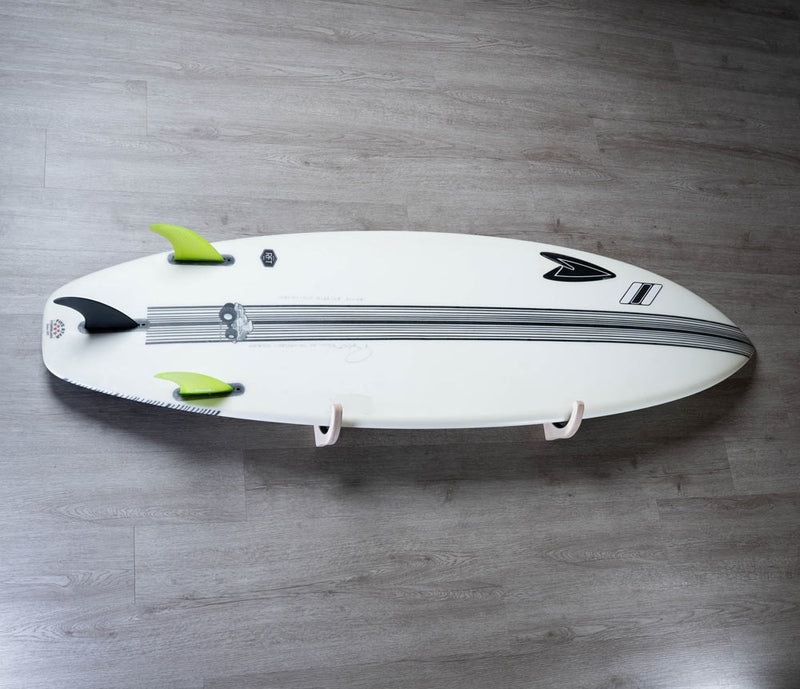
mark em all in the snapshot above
pixel 143 548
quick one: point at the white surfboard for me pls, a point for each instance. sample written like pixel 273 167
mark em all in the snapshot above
pixel 389 330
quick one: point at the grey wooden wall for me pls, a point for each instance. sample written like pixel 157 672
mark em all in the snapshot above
pixel 145 548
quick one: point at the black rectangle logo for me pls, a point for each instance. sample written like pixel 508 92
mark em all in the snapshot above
pixel 641 294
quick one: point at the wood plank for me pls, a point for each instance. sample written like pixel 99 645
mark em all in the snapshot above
pixel 748 70
pixel 770 26
pixel 748 539
pixel 26 148
pixel 539 470
pixel 686 156
pixel 764 465
pixel 126 487
pixel 55 101
pixel 181 166
pixel 402 121
pixel 615 663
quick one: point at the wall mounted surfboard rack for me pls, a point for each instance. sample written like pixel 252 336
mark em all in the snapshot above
pixel 568 428
pixel 325 436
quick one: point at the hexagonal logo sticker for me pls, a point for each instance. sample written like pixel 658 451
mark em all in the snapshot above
pixel 269 258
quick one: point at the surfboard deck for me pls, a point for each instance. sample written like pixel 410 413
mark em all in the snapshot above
pixel 402 329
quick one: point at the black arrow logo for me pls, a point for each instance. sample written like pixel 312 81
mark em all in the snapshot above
pixel 575 270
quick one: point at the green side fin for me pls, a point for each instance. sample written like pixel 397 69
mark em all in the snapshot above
pixel 196 383
pixel 188 245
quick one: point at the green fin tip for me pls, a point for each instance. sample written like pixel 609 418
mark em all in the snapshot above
pixel 188 245
pixel 196 383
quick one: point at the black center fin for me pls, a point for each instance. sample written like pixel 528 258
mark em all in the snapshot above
pixel 99 317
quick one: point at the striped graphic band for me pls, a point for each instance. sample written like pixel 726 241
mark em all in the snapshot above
pixel 308 323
